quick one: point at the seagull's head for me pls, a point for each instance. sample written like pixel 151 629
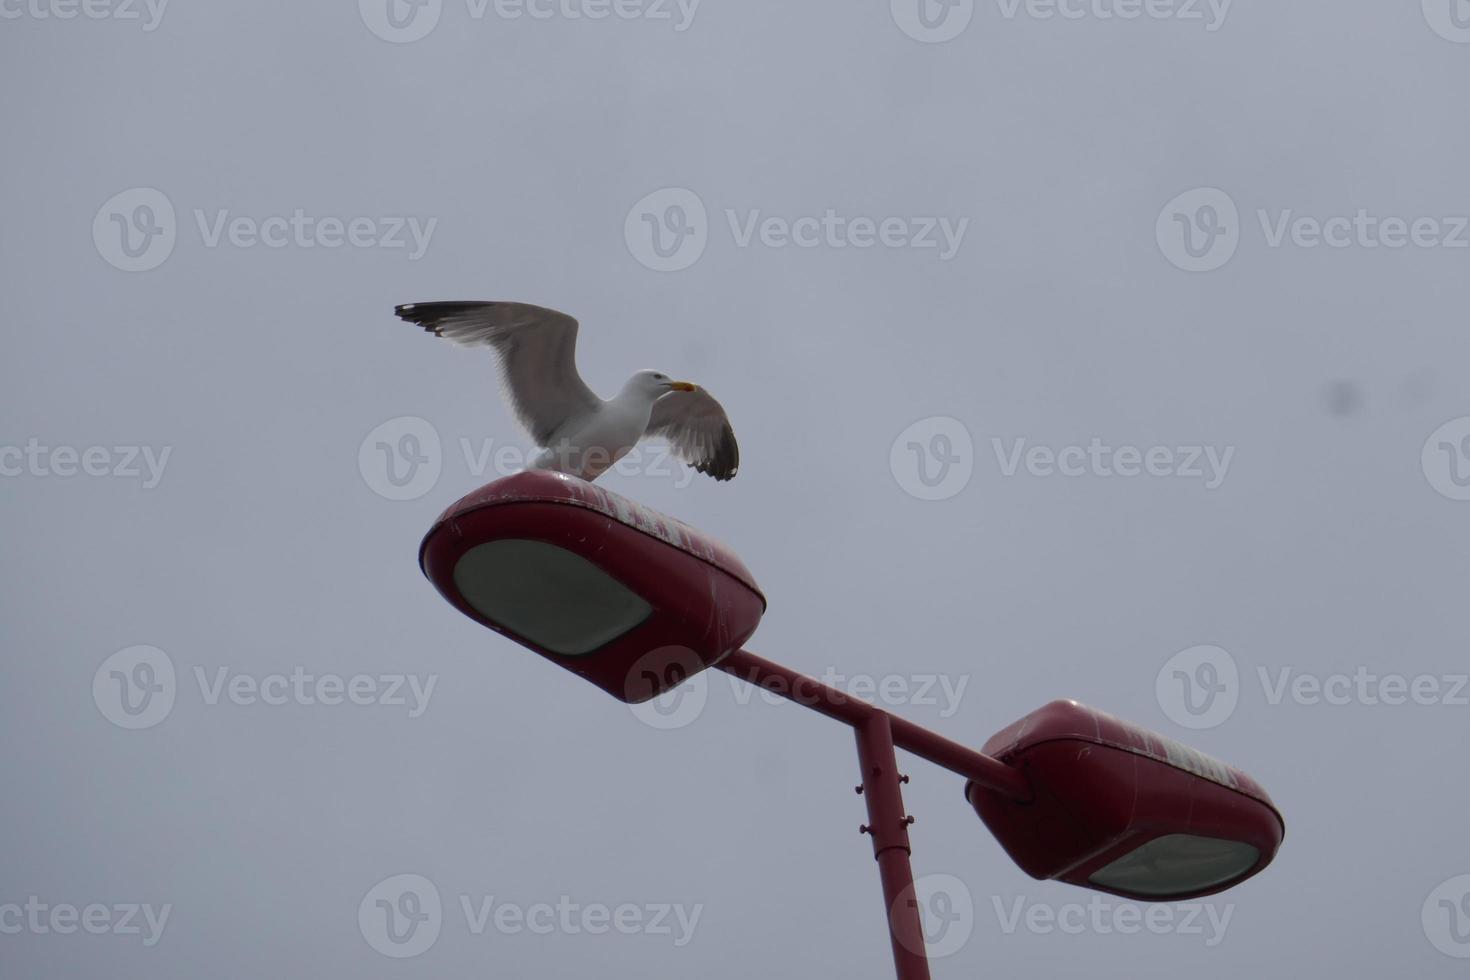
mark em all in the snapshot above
pixel 656 384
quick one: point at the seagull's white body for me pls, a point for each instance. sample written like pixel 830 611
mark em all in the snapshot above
pixel 588 445
pixel 580 433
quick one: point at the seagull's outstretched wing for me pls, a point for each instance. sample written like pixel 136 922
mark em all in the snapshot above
pixel 537 351
pixel 698 430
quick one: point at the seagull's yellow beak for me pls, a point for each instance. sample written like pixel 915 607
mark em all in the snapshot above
pixel 682 386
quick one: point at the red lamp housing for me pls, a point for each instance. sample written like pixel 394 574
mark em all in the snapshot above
pixel 630 599
pixel 1123 810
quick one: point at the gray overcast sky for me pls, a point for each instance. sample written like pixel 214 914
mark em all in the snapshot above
pixel 1197 230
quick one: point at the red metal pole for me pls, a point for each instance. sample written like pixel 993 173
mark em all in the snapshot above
pixel 878 732
pixel 811 693
pixel 888 826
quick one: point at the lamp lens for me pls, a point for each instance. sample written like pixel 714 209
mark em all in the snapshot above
pixel 1177 864
pixel 552 597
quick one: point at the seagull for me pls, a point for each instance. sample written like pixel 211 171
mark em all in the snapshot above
pixel 578 432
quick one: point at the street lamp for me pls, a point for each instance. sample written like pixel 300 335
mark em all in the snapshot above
pixel 632 600
pixel 1124 810
pixel 637 603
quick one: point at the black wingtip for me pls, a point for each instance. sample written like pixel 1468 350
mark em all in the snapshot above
pixel 417 313
pixel 726 461
pixel 431 315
